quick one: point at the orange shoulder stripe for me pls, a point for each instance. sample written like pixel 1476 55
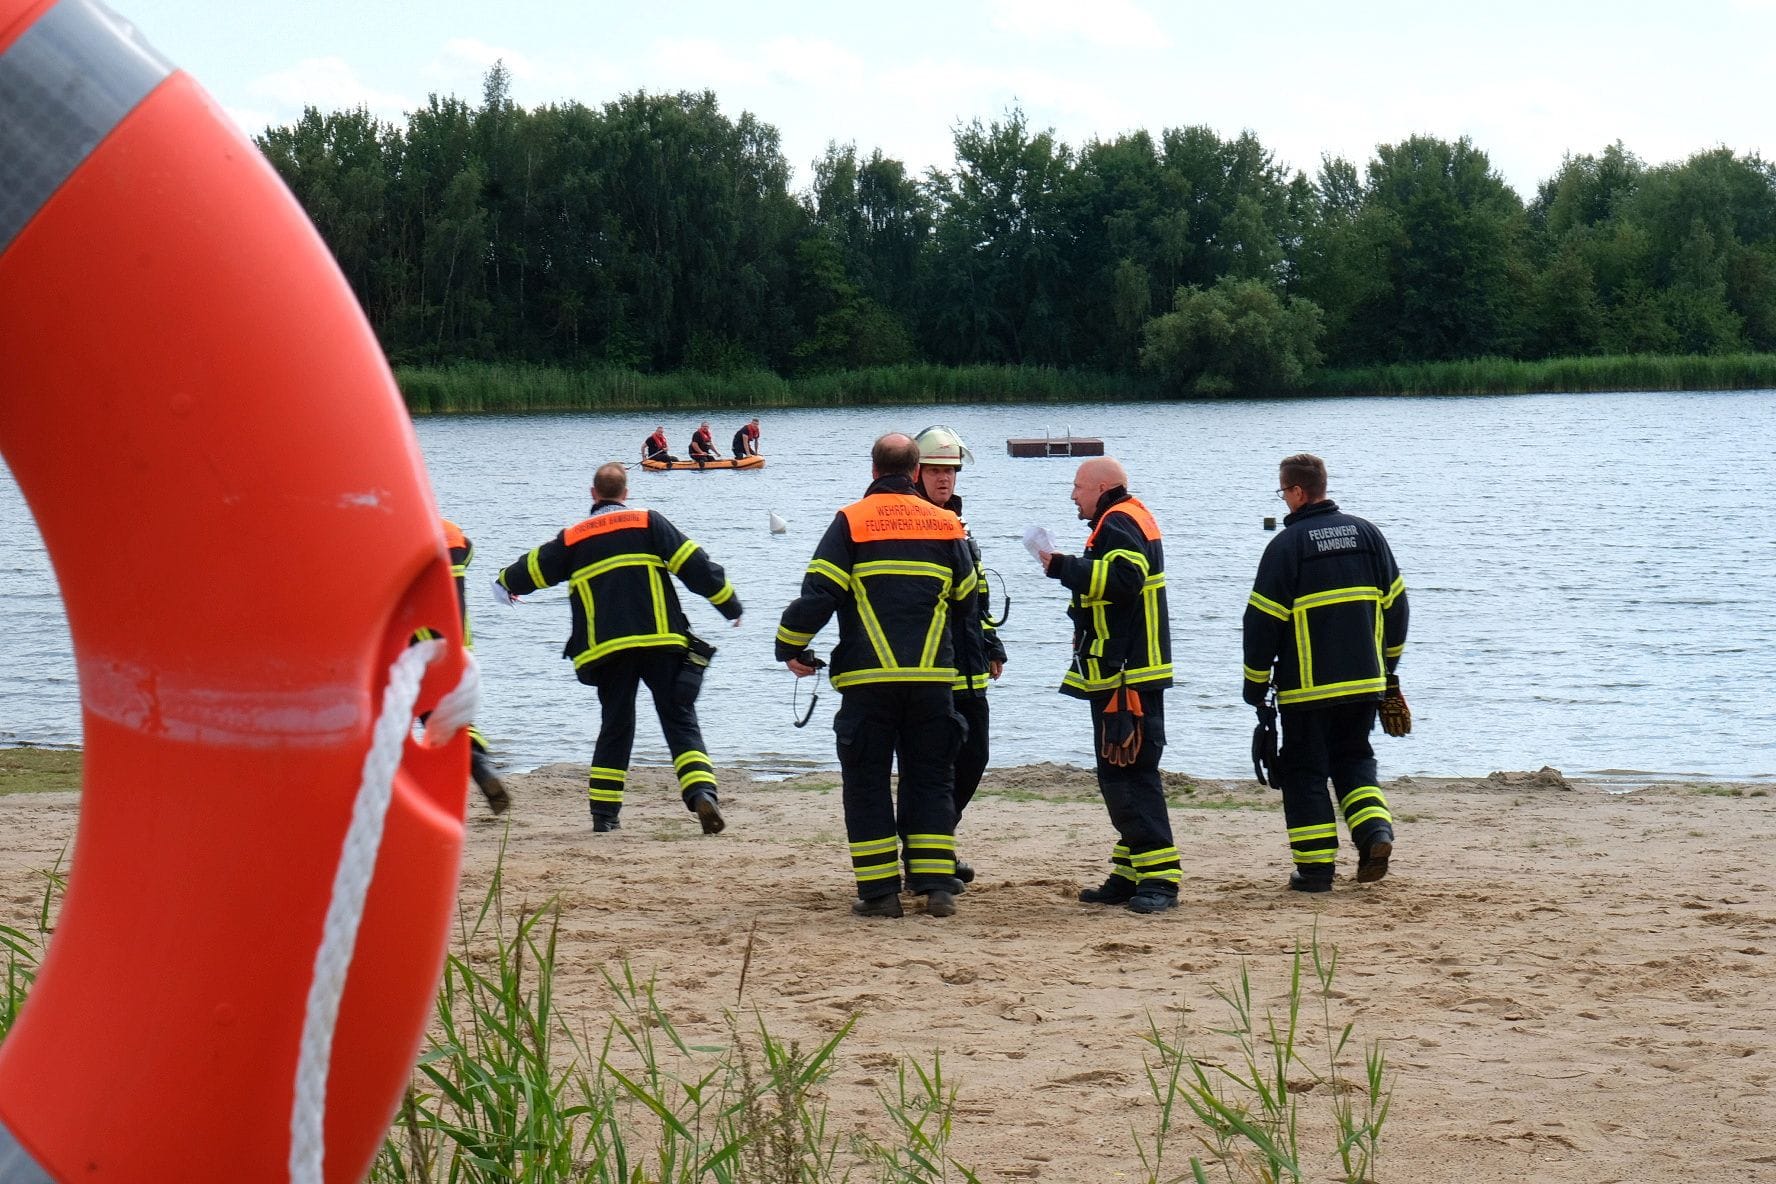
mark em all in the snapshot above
pixel 1138 513
pixel 883 516
pixel 454 539
pixel 605 524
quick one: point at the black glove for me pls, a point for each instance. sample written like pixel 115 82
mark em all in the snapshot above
pixel 1264 745
pixel 1254 692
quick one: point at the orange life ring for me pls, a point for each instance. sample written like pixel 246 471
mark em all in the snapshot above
pixel 245 539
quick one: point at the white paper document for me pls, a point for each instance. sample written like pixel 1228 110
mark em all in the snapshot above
pixel 1038 539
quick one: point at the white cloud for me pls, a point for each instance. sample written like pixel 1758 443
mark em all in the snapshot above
pixel 696 63
pixel 330 84
pixel 812 62
pixel 469 53
pixel 251 120
pixel 1116 24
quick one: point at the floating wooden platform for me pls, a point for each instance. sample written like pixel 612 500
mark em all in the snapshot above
pixel 1056 446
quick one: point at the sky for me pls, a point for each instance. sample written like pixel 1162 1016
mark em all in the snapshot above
pixel 1527 83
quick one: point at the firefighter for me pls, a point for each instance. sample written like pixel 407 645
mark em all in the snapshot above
pixel 893 568
pixel 1122 663
pixel 703 444
pixel 746 439
pixel 1326 624
pixel 980 657
pixel 628 629
pixel 654 447
pixel 462 553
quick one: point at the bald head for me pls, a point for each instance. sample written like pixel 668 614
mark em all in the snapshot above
pixel 895 455
pixel 1096 476
pixel 611 482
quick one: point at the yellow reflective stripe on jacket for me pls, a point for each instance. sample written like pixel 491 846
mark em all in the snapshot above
pixel 635 641
pixel 656 586
pixel 1256 675
pixel 1394 593
pixel 1309 691
pixel 937 674
pixel 1150 591
pixel 934 635
pixel 902 567
pixel 680 556
pixel 1332 690
pixel 1335 596
pixel 724 594
pixel 789 636
pixel 971 682
pixel 536 569
pixel 1268 606
pixel 629 559
pixel 831 571
pixel 1095 680
pixel 872 628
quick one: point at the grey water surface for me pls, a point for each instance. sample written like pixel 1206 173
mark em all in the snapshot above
pixel 1592 577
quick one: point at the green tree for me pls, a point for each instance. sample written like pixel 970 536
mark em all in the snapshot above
pixel 1564 315
pixel 1448 236
pixel 1238 335
pixel 999 287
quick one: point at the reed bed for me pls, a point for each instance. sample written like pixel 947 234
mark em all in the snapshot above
pixel 1577 375
pixel 477 387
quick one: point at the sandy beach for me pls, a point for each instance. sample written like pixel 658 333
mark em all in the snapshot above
pixel 1570 984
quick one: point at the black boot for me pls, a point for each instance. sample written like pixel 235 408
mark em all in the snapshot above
pixel 492 788
pixel 708 813
pixel 1372 855
pixel 603 822
pixel 879 906
pixel 1151 899
pixel 1115 890
pixel 1309 882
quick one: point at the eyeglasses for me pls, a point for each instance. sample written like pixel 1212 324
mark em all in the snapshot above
pixel 1284 491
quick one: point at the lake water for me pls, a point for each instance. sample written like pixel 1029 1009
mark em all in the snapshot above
pixel 1592 579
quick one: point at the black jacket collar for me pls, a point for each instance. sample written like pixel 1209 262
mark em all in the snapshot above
pixel 893 483
pixel 1328 506
pixel 1116 493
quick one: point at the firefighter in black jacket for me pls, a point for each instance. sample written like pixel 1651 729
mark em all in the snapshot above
pixel 980 656
pixel 462 553
pixel 894 568
pixel 1328 612
pixel 1122 662
pixel 628 629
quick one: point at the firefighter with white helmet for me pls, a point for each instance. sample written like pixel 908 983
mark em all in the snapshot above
pixel 980 657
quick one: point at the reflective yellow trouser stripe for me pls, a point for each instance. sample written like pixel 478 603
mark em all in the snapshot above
pixel 876 859
pixel 605 785
pixel 1364 804
pixel 1314 844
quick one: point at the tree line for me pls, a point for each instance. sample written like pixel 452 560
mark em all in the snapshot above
pixel 656 233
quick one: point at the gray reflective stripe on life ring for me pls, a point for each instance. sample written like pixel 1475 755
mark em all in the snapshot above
pixel 16 1164
pixel 64 84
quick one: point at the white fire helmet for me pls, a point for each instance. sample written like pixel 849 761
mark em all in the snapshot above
pixel 941 447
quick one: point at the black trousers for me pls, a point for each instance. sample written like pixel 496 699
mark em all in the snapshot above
pixel 1321 744
pixel 872 723
pixel 971 760
pixel 1144 852
pixel 617 679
